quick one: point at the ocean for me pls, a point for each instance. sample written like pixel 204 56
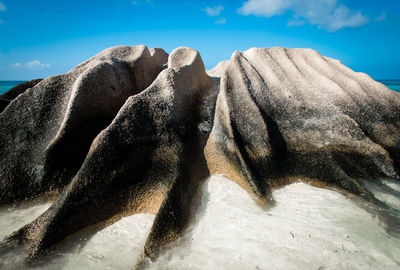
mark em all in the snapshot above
pixel 6 85
pixel 391 84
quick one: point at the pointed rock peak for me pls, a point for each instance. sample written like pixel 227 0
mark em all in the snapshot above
pixel 189 64
pixel 160 57
pixel 219 69
pixel 159 53
pixel 183 56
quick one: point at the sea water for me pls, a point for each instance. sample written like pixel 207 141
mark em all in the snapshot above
pixel 391 84
pixel 306 228
pixel 6 85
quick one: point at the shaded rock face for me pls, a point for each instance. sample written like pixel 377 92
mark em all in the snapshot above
pixel 134 130
pixel 46 132
pixel 11 94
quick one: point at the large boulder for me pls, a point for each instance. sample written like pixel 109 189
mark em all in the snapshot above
pixel 46 132
pixel 134 130
pixel 149 159
pixel 290 114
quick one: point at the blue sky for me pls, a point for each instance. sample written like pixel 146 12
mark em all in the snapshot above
pixel 47 37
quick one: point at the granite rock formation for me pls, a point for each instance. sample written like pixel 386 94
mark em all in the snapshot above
pixel 286 114
pixel 47 131
pixel 134 130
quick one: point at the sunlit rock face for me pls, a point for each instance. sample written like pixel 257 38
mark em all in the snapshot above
pixel 289 113
pixel 134 130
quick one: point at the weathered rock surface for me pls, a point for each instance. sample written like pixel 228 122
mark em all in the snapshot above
pixel 47 131
pixel 286 114
pixel 135 130
pixel 11 94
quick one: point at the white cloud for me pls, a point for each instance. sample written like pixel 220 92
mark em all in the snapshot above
pixel 295 23
pixel 213 11
pixel 264 8
pixel 326 14
pixel 16 65
pixel 343 17
pixel 2 7
pixel 35 64
pixel 382 17
pixel 220 21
